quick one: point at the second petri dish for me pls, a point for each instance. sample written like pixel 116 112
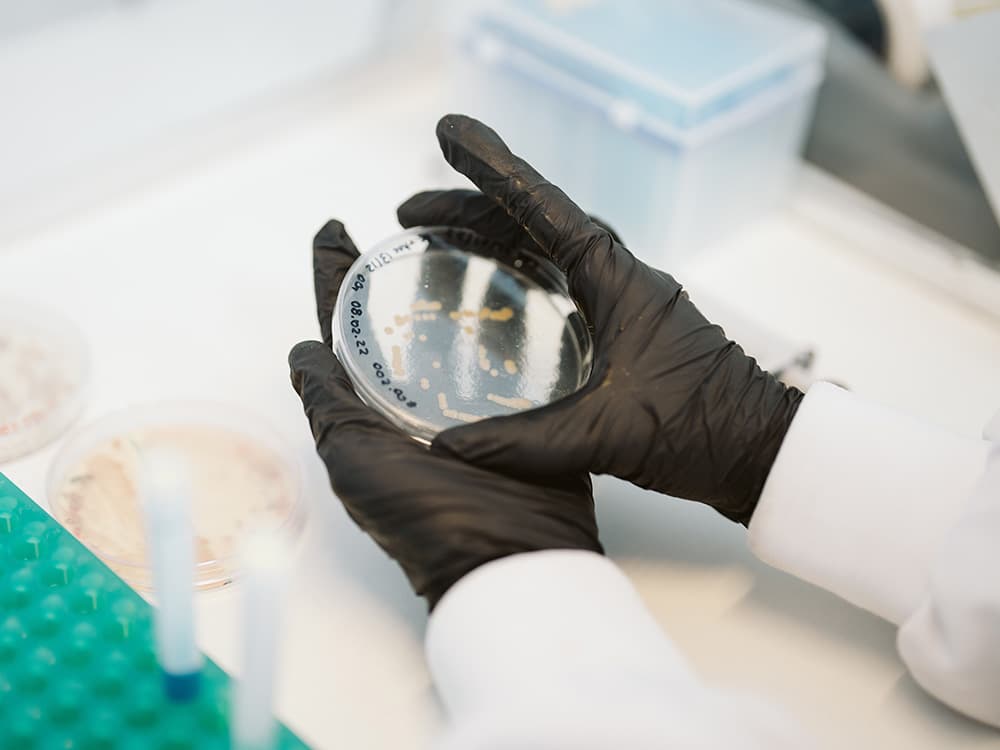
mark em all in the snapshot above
pixel 439 327
pixel 243 479
pixel 44 371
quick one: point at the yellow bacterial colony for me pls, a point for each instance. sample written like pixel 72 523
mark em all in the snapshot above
pixel 454 414
pixel 512 403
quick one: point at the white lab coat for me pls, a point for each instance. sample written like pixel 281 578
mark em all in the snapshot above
pixel 555 649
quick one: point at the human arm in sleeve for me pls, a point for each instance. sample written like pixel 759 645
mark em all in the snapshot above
pixel 903 520
pixel 556 650
pixel 951 643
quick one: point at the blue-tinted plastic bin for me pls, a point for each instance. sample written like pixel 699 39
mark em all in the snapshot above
pixel 677 121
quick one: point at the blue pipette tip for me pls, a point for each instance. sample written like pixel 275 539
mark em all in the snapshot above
pixel 182 687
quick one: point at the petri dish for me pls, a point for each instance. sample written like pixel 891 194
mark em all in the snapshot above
pixel 439 327
pixel 44 372
pixel 244 480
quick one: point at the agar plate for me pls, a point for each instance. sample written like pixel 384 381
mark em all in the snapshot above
pixel 44 371
pixel 243 479
pixel 439 327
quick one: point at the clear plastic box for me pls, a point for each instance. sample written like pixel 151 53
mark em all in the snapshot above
pixel 675 121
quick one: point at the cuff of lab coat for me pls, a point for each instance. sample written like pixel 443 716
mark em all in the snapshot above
pixel 860 498
pixel 540 624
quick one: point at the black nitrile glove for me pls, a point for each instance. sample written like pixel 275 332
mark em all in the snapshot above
pixel 437 516
pixel 671 405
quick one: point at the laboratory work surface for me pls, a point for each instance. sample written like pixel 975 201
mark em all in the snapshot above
pixel 196 284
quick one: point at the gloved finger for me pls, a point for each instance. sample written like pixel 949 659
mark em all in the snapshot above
pixel 333 409
pixel 468 209
pixel 554 440
pixel 347 433
pixel 594 263
pixel 607 228
pixel 333 253
pixel 561 228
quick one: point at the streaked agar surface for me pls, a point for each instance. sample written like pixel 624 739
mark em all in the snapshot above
pixel 240 481
pixel 440 327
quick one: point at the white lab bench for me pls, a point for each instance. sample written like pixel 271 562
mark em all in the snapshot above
pixel 196 285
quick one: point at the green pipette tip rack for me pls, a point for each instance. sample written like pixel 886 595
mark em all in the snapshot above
pixel 77 666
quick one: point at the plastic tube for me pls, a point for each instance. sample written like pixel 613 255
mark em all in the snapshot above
pixel 265 579
pixel 165 488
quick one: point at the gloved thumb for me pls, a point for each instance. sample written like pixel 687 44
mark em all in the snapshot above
pixel 333 254
pixel 315 371
pixel 327 396
pixel 543 443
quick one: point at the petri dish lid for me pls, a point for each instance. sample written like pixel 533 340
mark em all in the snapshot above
pixel 244 479
pixel 44 372
pixel 438 327
pixel 678 63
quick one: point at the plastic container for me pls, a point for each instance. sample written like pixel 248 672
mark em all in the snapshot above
pixel 675 121
pixel 439 327
pixel 44 373
pixel 243 479
pixel 77 665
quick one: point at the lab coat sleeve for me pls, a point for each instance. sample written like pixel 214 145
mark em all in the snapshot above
pixel 556 650
pixel 951 644
pixel 898 518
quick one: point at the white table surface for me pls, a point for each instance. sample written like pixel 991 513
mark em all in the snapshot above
pixel 198 283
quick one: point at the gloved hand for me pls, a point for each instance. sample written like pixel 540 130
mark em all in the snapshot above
pixel 437 516
pixel 671 404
